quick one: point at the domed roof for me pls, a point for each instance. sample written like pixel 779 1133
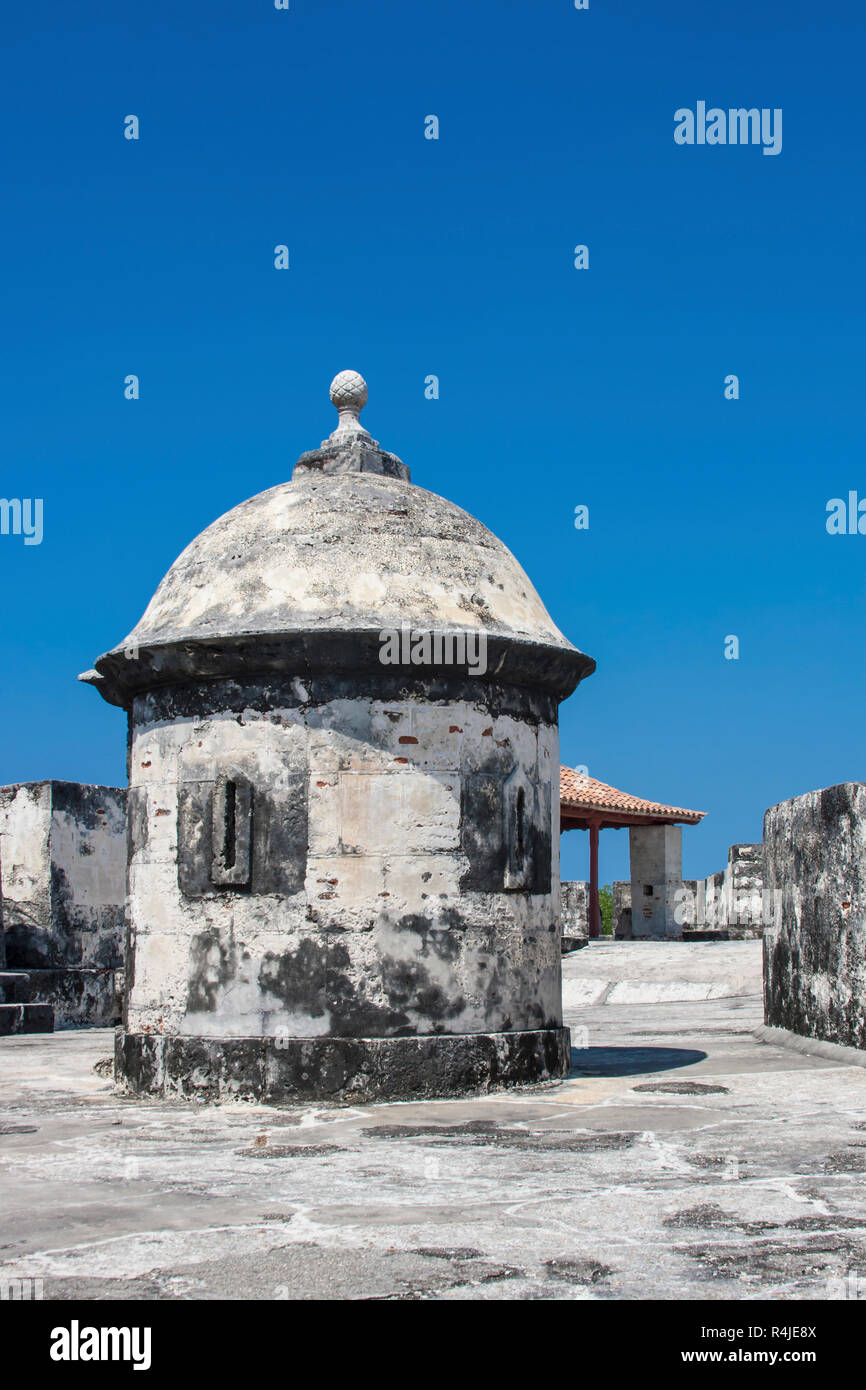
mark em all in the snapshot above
pixel 348 546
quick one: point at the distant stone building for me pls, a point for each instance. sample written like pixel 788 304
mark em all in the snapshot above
pixel 62 886
pixel 343 874
pixel 815 940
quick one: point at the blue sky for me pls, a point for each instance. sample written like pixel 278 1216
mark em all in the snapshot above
pixel 409 257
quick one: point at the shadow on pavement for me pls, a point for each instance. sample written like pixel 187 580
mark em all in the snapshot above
pixel 630 1061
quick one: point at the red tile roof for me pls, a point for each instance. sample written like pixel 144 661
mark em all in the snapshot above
pixel 579 793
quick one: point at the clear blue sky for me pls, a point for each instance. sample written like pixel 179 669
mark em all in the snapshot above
pixel 411 257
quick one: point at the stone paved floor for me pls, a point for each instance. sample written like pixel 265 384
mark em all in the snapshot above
pixel 650 972
pixel 682 1159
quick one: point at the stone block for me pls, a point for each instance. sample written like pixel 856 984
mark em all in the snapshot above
pixel 25 1018
pixel 815 951
pixel 79 998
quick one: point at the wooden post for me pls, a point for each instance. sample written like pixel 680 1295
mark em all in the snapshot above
pixel 594 921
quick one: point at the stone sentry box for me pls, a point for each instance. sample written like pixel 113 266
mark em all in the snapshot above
pixel 343 875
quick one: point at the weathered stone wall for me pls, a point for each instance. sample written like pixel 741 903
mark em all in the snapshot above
pixel 711 913
pixel 686 912
pixel 732 901
pixel 621 890
pixel 815 948
pixel 25 827
pixel 63 887
pixel 574 911
pixel 745 887
pixel 2 932
pixel 394 861
pixel 685 907
pixel 88 874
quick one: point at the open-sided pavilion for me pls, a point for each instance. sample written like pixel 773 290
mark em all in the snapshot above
pixel 655 847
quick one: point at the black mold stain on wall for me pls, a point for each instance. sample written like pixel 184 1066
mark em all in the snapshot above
pixel 264 693
pixel 212 965
pixel 505 833
pixel 297 978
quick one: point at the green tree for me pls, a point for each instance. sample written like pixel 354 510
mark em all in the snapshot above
pixel 605 907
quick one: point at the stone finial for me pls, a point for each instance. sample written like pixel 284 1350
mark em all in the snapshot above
pixel 351 448
pixel 349 394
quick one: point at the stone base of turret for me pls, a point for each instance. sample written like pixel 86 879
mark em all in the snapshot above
pixel 279 1071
